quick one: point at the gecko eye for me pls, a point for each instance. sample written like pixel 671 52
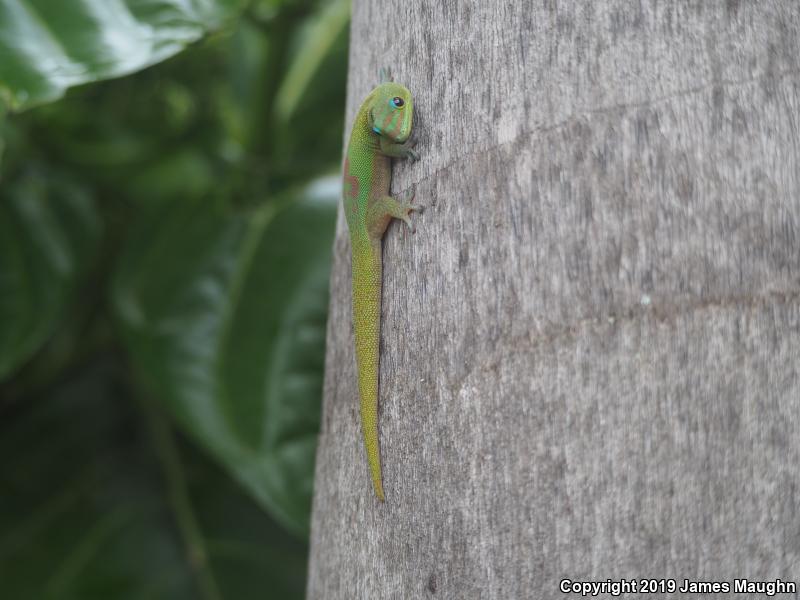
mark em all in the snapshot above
pixel 398 102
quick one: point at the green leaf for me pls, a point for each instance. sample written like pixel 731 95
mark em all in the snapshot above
pixel 47 46
pixel 49 230
pixel 85 509
pixel 225 317
pixel 313 46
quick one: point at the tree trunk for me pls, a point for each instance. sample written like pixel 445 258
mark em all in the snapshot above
pixel 589 366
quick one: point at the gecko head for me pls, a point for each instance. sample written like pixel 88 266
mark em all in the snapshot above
pixel 392 111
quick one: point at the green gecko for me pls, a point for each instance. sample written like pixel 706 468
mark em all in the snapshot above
pixel 380 132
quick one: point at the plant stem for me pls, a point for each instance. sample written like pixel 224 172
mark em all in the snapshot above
pixel 179 500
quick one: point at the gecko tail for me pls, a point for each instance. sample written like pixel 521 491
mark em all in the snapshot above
pixel 374 458
pixel 367 320
pixel 368 385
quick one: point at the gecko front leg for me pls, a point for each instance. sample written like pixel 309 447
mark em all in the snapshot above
pixel 396 150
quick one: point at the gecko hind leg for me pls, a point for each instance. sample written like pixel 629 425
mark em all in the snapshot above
pixel 386 208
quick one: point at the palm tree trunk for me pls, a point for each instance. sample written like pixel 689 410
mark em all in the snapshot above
pixel 590 348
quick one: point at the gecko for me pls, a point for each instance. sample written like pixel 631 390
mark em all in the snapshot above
pixel 380 132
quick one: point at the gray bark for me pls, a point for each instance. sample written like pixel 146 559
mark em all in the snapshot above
pixel 590 347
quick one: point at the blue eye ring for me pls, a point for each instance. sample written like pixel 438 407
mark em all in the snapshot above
pixel 397 102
